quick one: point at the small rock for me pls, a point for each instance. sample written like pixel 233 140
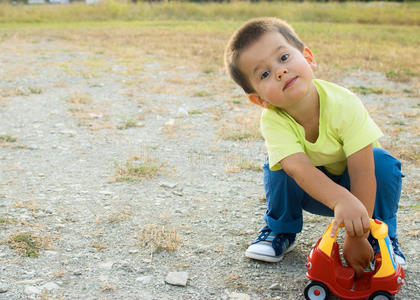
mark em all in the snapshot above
pixel 77 272
pixel 275 286
pixel 106 265
pixel 3 288
pixel 49 286
pixel 133 251
pixel 177 193
pixel 177 278
pixel 106 193
pixel 144 279
pixel 31 290
pixel 239 296
pixel 168 185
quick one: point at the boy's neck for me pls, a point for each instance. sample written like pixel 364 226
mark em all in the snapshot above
pixel 308 109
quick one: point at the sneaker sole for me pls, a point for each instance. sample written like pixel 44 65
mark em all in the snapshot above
pixel 268 258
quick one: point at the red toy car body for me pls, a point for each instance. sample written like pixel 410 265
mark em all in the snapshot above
pixel 327 272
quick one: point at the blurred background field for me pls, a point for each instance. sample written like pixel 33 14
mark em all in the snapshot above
pixel 378 36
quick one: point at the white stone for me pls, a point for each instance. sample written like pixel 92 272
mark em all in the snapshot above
pixel 31 290
pixel 144 279
pixel 106 265
pixel 275 286
pixel 239 296
pixel 177 278
pixel 168 185
pixel 3 288
pixel 49 286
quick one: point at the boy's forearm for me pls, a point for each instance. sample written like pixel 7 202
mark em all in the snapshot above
pixel 361 169
pixel 312 180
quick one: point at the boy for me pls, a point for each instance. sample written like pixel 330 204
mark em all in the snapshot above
pixel 323 153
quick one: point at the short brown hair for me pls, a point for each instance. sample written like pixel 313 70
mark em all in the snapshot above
pixel 247 34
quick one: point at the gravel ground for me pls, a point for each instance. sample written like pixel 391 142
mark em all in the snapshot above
pixel 64 133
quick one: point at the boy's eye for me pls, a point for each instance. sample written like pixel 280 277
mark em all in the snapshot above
pixel 284 57
pixel 265 74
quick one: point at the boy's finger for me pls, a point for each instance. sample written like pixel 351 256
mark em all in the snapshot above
pixel 349 228
pixel 358 228
pixel 366 224
pixel 334 227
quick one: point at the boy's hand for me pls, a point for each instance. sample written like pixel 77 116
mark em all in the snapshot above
pixel 353 214
pixel 358 254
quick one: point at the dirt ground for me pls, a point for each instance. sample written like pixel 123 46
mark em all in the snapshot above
pixel 122 169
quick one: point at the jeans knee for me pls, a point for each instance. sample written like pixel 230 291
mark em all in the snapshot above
pixel 386 166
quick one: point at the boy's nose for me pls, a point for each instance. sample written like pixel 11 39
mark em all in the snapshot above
pixel 280 72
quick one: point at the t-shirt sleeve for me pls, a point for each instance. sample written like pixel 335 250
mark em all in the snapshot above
pixel 280 138
pixel 356 128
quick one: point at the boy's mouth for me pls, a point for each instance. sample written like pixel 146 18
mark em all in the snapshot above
pixel 289 83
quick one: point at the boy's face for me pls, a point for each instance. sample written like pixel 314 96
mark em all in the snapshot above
pixel 280 73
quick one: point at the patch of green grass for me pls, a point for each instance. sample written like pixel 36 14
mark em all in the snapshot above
pixel 137 169
pixel 401 75
pixel 237 135
pixel 195 112
pixel 248 165
pixel 356 12
pixel 35 90
pixel 202 94
pixel 401 123
pixel 25 244
pixel 130 123
pixel 7 220
pixel 7 139
pixel 370 90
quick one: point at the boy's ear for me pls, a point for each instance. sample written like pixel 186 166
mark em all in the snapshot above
pixel 309 58
pixel 256 99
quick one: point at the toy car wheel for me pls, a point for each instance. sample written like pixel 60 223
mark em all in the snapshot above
pixel 381 295
pixel 315 290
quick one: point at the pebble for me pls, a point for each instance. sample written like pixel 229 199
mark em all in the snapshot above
pixel 3 288
pixel 133 251
pixel 31 290
pixel 144 279
pixel 168 185
pixel 275 286
pixel 239 296
pixel 177 278
pixel 106 265
pixel 49 286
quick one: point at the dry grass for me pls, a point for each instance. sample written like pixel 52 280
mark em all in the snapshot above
pixel 241 127
pixel 78 98
pixel 7 139
pixel 28 244
pixel 93 115
pixel 158 238
pixel 7 221
pixel 137 168
pixel 235 164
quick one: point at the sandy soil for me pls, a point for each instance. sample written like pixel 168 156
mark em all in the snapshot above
pixel 73 116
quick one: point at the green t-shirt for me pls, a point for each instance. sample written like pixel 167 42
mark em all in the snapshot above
pixel 344 128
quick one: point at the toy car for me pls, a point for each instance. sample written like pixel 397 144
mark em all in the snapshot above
pixel 327 272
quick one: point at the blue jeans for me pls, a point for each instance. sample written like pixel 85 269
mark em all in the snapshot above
pixel 286 200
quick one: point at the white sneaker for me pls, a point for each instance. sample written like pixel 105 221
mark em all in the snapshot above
pixel 271 248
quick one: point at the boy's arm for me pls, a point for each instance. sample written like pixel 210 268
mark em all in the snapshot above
pixel 347 208
pixel 357 251
pixel 361 168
